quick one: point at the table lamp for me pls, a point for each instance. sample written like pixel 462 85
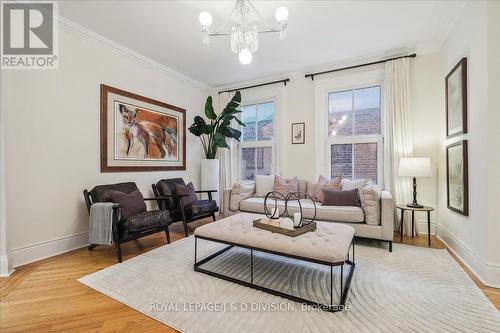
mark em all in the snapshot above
pixel 415 167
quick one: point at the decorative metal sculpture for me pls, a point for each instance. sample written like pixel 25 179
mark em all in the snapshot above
pixel 274 212
pixel 297 196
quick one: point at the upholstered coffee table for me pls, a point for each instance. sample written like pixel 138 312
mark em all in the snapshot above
pixel 328 245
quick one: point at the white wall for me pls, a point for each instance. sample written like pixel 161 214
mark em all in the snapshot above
pixel 494 132
pixel 52 139
pixel 428 123
pixel 475 238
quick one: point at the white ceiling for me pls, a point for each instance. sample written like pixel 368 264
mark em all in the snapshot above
pixel 319 32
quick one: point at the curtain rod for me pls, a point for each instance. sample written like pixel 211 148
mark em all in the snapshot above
pixel 284 81
pixel 312 75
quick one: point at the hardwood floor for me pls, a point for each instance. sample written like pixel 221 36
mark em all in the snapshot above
pixel 46 297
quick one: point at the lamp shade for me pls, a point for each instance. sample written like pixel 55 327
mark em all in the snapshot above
pixel 415 167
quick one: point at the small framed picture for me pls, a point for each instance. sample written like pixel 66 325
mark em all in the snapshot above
pixel 298 133
pixel 456 100
pixel 457 180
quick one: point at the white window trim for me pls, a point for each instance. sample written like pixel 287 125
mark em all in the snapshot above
pixel 322 138
pixel 263 143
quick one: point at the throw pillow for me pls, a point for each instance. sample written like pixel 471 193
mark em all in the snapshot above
pixel 240 191
pixel 348 184
pixel 263 185
pixel 370 202
pixel 340 198
pixel 315 191
pixel 133 202
pixel 285 186
pixel 189 191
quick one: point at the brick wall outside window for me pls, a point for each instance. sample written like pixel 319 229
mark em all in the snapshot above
pixel 365 161
pixel 259 130
pixel 355 123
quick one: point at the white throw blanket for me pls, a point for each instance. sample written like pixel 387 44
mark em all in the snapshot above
pixel 101 223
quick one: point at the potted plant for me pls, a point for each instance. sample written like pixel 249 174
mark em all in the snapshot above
pixel 213 135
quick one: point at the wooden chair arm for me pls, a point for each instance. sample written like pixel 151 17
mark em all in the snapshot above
pixel 164 197
pixel 206 191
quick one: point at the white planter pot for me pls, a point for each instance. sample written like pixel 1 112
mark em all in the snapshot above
pixel 210 176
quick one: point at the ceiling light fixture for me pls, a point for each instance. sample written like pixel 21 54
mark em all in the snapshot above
pixel 244 36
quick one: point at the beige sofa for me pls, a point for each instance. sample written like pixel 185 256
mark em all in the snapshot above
pixel 351 215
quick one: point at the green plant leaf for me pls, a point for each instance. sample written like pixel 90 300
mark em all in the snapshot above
pixel 198 127
pixel 234 103
pixel 220 140
pixel 213 134
pixel 209 109
pixel 239 121
pixel 236 97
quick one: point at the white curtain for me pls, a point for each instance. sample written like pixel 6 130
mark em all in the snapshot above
pixel 228 157
pixel 398 142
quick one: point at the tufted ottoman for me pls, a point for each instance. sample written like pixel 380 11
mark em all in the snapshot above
pixel 328 245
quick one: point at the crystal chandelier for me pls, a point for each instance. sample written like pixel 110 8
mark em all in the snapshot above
pixel 244 36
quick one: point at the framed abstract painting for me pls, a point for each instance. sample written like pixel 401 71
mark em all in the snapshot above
pixel 457 179
pixel 140 133
pixel 456 100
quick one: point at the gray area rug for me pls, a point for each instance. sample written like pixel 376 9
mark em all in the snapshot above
pixel 412 289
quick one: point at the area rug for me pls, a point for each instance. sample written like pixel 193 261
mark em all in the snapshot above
pixel 412 289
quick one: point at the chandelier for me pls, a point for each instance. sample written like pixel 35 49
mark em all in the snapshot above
pixel 244 35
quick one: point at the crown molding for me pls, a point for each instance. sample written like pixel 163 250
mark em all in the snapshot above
pixel 317 68
pixel 132 54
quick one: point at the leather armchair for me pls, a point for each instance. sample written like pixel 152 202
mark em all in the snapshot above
pixel 178 210
pixel 135 226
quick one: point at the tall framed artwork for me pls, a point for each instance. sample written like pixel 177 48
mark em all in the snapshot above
pixel 456 100
pixel 140 133
pixel 457 178
pixel 298 133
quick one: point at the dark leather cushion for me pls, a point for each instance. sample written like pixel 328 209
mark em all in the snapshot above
pixel 147 220
pixel 101 193
pixel 340 198
pixel 204 207
pixel 191 212
pixel 133 202
pixel 167 187
pixel 189 193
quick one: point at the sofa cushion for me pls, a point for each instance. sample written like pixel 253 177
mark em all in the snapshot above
pixel 189 193
pixel 100 193
pixel 315 190
pixel 347 184
pixel 302 187
pixel 167 187
pixel 132 202
pixel 370 202
pixel 323 213
pixel 341 198
pixel 240 191
pixel 285 186
pixel 263 185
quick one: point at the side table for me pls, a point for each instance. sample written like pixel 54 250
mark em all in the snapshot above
pixel 427 209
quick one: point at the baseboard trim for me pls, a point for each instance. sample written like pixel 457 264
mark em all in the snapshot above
pixel 487 273
pixel 43 250
pixel 6 268
pixel 421 227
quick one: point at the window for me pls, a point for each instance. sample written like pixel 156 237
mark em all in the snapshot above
pixel 257 140
pixel 355 133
